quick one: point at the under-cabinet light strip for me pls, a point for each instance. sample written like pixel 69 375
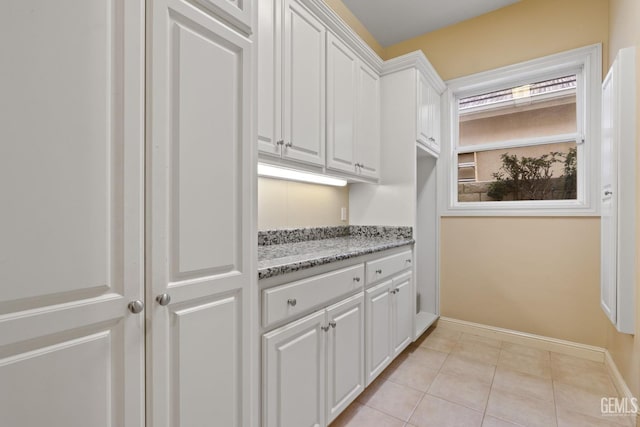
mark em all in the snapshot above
pixel 293 175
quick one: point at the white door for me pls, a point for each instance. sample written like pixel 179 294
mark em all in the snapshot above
pixel 293 372
pixel 71 251
pixel 304 85
pixel 341 105
pixel 378 330
pixel 368 122
pixel 345 354
pixel 269 78
pixel 199 223
pixel 609 194
pixel 403 312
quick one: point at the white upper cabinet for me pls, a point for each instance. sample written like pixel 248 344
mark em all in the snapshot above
pixel 618 193
pixel 342 74
pixel 291 82
pixel 367 146
pixel 353 112
pixel 428 115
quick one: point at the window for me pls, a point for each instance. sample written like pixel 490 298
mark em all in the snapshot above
pixel 525 138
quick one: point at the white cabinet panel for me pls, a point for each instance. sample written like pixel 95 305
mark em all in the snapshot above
pixel 66 384
pixel 206 119
pixel 71 167
pixel 403 312
pixel 378 330
pixel 269 77
pixel 294 374
pixel 345 354
pixel 304 85
pixel 237 12
pixel 428 115
pixel 368 122
pixel 207 341
pixel 342 67
pixel 200 238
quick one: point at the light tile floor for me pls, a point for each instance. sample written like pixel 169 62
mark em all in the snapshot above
pixel 449 378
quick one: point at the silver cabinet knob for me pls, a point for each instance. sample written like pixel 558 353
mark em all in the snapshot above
pixel 397 290
pixel 280 142
pixel 163 299
pixel 292 302
pixel 289 144
pixel 356 279
pixel 325 328
pixel 379 271
pixel 432 139
pixel 136 306
pixel 409 260
pixel 332 324
pixel 608 193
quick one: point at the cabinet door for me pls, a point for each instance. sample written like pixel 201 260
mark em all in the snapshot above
pixel 345 354
pixel 434 120
pixel 422 109
pixel 402 318
pixel 293 372
pixel 368 122
pixel 341 105
pixel 304 85
pixel 71 245
pixel 378 330
pixel 608 211
pixel 269 78
pixel 199 222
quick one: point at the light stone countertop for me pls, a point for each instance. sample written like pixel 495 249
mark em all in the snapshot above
pixel 278 259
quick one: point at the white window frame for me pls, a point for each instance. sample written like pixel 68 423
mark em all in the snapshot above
pixel 587 63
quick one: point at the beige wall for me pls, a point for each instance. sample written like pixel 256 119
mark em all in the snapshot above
pixel 624 18
pixel 284 204
pixel 536 275
pixel 525 30
pixel 347 16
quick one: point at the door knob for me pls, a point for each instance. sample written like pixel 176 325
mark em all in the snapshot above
pixel 136 306
pixel 163 299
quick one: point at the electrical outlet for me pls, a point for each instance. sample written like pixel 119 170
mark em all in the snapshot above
pixel 343 214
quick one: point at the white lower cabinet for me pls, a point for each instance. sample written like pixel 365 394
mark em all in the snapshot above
pixel 389 322
pixel 313 367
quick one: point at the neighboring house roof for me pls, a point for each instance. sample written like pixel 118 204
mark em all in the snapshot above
pixel 539 88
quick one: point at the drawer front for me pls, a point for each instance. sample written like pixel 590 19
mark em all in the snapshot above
pixel 388 266
pixel 294 298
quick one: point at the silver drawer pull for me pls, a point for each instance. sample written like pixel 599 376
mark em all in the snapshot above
pixel 379 271
pixel 356 279
pixel 292 302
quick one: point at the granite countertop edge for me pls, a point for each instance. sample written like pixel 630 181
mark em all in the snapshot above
pixel 289 267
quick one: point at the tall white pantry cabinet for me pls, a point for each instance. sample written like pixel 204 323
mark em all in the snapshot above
pixel 126 259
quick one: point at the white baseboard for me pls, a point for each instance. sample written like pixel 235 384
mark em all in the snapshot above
pixel 618 381
pixel 583 351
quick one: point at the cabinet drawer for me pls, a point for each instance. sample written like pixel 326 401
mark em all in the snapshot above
pixel 388 266
pixel 293 298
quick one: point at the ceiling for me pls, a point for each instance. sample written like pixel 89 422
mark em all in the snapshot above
pixel 392 21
